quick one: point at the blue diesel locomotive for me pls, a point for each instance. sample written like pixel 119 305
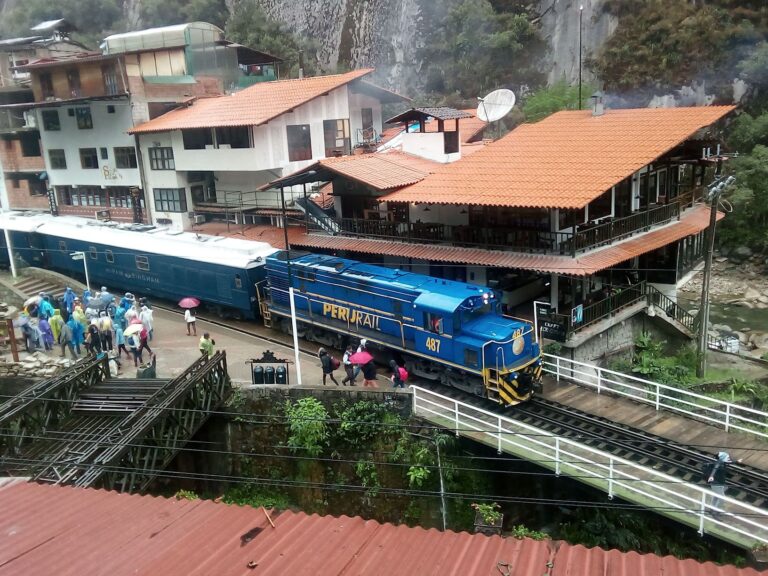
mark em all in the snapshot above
pixel 221 272
pixel 446 331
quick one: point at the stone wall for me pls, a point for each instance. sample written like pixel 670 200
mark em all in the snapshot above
pixel 35 366
pixel 399 402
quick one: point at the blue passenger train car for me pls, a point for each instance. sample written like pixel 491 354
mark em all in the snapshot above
pixel 445 330
pixel 221 272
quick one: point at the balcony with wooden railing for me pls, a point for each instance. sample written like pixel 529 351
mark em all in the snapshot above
pixel 510 238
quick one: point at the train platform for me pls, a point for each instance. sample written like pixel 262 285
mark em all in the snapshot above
pixel 751 449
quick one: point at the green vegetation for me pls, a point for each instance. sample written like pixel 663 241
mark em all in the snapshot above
pixel 489 512
pixel 186 495
pixel 520 531
pixel 306 423
pixel 551 99
pixel 253 495
pixel 474 46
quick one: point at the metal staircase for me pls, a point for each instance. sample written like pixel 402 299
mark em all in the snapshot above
pixel 317 216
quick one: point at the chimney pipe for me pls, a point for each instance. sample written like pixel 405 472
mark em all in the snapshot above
pixel 598 108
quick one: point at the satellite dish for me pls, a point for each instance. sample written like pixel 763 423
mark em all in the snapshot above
pixel 495 105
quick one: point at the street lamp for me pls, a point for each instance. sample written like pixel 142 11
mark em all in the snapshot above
pixel 290 288
pixel 714 192
pixel 81 256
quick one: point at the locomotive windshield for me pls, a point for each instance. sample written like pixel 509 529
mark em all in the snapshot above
pixel 477 307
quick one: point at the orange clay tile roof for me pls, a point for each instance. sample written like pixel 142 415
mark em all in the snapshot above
pixel 323 197
pixel 382 170
pixel 691 222
pixel 250 107
pixel 564 161
pixel 469 128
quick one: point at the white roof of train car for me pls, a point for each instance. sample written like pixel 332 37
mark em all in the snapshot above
pixel 188 245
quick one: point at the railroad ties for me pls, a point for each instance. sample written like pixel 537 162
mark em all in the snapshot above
pixel 114 433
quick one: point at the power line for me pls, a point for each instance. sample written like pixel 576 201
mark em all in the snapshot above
pixel 354 488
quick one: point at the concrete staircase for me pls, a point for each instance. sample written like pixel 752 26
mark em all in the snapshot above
pixel 32 286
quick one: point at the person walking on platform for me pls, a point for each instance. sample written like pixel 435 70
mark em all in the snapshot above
pixel 189 318
pixel 132 341
pixel 65 341
pixel 56 322
pixel 77 333
pixel 349 368
pixel 327 363
pixel 45 330
pixel 93 337
pixel 120 341
pixel 718 471
pixel 148 321
pixel 206 345
pixel 369 375
pixel 105 330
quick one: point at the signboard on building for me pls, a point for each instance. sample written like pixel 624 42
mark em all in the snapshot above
pixel 54 208
pixel 551 326
pixel 577 315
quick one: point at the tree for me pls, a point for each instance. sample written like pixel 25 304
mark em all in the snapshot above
pixel 748 222
pixel 249 25
pixel 166 12
pixel 473 48
pixel 551 99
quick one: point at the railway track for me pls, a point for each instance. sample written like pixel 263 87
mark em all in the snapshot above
pixel 745 483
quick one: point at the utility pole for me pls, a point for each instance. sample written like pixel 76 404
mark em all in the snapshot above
pixel 581 13
pixel 714 192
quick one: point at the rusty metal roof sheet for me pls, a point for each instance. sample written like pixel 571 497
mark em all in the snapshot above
pixel 250 107
pixel 565 161
pixel 74 531
pixel 691 222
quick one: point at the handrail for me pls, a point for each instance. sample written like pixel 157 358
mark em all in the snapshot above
pixel 662 396
pixel 687 503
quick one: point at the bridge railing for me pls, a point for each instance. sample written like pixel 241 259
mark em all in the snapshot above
pixel 661 396
pixel 739 523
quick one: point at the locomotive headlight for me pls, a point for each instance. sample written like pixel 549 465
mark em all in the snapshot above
pixel 517 346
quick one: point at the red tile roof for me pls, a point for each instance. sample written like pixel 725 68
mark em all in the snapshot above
pixel 469 128
pixel 382 170
pixel 324 196
pixel 75 531
pixel 692 222
pixel 250 107
pixel 565 161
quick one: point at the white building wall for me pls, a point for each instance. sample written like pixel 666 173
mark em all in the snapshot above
pixel 430 145
pixel 109 131
pixel 163 179
pixel 356 103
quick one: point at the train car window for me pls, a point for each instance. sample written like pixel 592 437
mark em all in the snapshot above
pixel 434 323
pixel 142 263
pixel 93 253
pixel 109 256
pixel 397 308
pixel 301 274
pixel 238 281
pixel 311 276
pixel 470 357
pixel 62 246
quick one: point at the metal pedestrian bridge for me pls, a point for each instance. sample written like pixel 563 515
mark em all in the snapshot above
pixel 85 429
pixel 684 501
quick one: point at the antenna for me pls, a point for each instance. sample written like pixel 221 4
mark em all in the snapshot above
pixel 495 105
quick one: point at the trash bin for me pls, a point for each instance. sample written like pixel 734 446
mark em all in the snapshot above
pixel 258 374
pixel 281 375
pixel 269 375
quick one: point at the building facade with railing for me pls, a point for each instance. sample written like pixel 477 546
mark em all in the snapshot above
pixel 214 155
pixel 589 213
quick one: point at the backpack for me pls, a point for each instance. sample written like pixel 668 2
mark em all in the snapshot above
pixel 334 363
pixel 403 373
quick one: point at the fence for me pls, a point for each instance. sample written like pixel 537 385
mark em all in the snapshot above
pixel 661 396
pixel 740 524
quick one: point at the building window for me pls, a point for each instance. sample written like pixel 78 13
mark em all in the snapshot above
pixel 104 153
pixel 57 159
pixel 30 145
pixel 366 115
pixel 170 199
pixel 62 246
pixel 84 120
pixel 161 159
pixel 89 159
pixel 51 120
pixel 110 80
pixel 234 137
pixel 197 139
pixel 125 157
pixel 299 143
pixel 37 187
pixel 120 197
pixel 110 109
pixel 92 252
pixel 109 256
pixel 46 85
pixel 142 263
pixel 336 136
pixel 73 79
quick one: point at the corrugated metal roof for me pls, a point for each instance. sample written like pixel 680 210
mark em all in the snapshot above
pixel 250 107
pixel 440 113
pixel 565 161
pixel 469 127
pixel 692 222
pixel 75 531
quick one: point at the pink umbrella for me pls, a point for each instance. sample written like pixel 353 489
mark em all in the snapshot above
pixel 361 357
pixel 189 302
